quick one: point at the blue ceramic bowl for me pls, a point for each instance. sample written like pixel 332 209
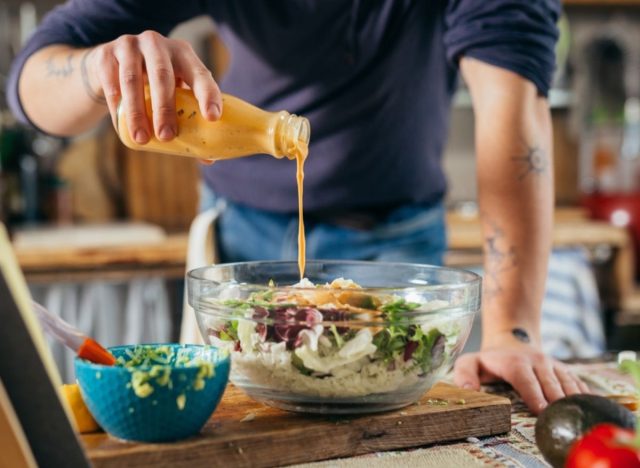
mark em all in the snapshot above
pixel 159 403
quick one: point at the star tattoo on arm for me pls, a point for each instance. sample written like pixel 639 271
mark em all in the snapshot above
pixel 533 161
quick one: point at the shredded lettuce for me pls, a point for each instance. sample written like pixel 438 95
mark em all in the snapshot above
pixel 398 338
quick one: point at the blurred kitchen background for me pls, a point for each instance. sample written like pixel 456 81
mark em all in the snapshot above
pixel 101 231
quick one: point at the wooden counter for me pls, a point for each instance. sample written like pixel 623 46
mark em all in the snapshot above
pixel 166 257
pixel 571 228
pixel 611 248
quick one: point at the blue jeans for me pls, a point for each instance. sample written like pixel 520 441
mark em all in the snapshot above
pixel 413 233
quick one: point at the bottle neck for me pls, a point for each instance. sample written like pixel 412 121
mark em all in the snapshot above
pixel 292 135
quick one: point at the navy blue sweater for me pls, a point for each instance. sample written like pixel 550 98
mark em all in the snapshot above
pixel 375 78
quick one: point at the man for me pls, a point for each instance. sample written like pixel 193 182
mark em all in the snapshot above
pixel 375 78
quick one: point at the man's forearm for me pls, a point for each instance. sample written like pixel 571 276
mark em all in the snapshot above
pixel 58 93
pixel 515 179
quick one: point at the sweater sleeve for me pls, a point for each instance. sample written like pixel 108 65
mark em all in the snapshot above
pixel 518 35
pixel 85 23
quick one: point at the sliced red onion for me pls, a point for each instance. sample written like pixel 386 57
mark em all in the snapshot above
pixel 409 349
pixel 312 316
pixel 260 313
pixel 261 330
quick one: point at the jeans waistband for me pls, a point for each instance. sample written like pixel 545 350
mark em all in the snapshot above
pixel 362 219
pixel 366 219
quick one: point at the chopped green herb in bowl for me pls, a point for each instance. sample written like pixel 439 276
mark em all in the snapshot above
pixel 155 392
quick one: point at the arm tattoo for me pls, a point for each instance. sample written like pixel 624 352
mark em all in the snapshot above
pixel 85 80
pixel 500 257
pixel 533 161
pixel 61 70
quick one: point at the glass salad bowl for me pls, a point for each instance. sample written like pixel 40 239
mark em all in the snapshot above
pixel 352 337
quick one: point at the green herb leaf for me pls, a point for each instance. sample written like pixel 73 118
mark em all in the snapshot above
pixel 336 336
pixel 398 306
pixel 298 364
pixel 633 368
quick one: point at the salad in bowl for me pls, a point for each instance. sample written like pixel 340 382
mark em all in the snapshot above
pixel 351 337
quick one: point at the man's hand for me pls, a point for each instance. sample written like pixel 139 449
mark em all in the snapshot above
pixel 85 80
pixel 538 378
pixel 122 67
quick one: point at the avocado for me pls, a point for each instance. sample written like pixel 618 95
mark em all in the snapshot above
pixel 566 420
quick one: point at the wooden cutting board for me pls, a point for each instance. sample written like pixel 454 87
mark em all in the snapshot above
pixel 274 437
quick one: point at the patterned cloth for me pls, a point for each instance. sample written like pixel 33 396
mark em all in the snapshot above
pixel 571 323
pixel 515 449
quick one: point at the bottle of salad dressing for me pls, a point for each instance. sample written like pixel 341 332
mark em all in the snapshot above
pixel 242 130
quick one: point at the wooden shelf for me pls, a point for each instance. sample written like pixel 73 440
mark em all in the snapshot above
pixel 165 258
pixel 467 235
pixel 571 229
pixel 160 259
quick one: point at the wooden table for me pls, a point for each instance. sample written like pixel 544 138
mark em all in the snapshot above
pixel 273 438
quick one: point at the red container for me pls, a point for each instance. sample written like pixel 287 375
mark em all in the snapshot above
pixel 619 209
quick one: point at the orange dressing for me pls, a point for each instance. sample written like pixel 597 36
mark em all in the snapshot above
pixel 301 156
